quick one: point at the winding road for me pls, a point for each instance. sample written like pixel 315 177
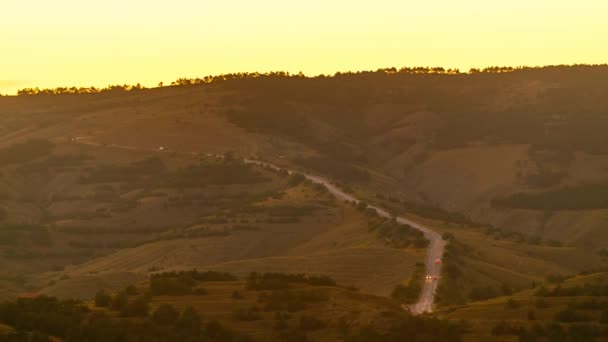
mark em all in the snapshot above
pixel 435 249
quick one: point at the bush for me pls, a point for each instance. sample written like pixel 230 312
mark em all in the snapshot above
pixel 276 281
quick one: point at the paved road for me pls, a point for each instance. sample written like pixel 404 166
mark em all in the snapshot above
pixel 434 251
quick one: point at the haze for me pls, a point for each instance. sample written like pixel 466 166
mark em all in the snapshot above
pixel 72 43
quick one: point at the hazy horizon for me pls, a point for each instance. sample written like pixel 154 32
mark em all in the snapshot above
pixel 67 43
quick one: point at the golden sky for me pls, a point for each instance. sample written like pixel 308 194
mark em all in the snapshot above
pixel 75 42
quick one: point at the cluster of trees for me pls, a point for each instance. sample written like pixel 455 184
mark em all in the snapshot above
pixel 212 79
pixel 335 169
pixel 138 171
pixel 551 331
pixel 403 327
pixel 216 173
pixel 499 234
pixel 451 289
pixel 125 304
pixel 395 234
pixel 565 117
pixel 185 282
pixel 69 320
pixel 593 290
pixel 80 90
pixel 579 197
pixel 410 293
pixel 153 170
pixel 277 281
pixel 290 300
pixel 426 210
pixel 487 292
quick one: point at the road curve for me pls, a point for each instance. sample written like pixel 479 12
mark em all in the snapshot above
pixel 434 251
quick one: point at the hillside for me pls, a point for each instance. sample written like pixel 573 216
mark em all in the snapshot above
pixel 79 218
pixel 212 306
pixel 496 159
pixel 567 309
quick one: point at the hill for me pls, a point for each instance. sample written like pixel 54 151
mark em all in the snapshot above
pixel 565 309
pixel 494 158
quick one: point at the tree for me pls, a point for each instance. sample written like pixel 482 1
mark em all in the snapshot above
pixel 165 315
pixel 102 299
pixel 120 301
pixel 131 290
pixel 138 307
pixel 190 322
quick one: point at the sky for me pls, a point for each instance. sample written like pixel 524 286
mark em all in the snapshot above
pixel 82 43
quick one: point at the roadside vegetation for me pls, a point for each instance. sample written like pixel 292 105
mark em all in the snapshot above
pixel 299 311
